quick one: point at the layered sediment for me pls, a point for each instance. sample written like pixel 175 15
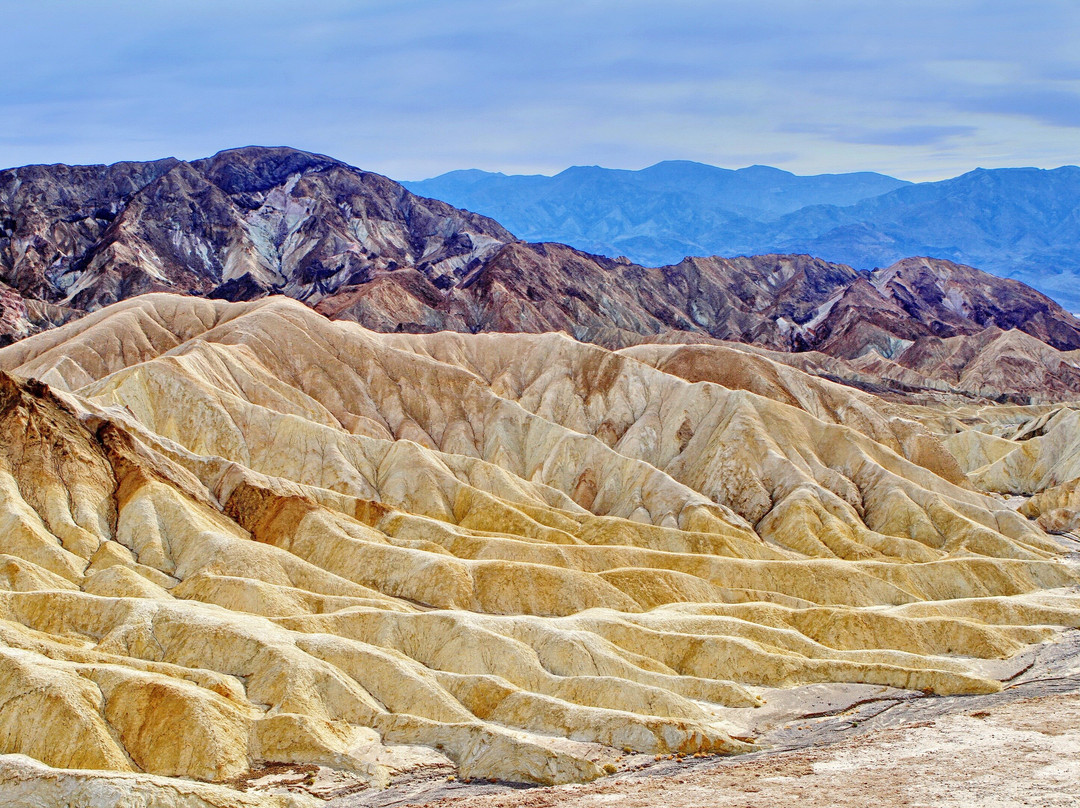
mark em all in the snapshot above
pixel 239 532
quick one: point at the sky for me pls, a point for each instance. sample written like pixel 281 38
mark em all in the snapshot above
pixel 920 89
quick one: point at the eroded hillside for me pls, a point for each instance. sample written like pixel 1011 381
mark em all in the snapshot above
pixel 240 532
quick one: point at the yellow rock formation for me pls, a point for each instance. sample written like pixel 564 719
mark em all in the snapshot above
pixel 234 533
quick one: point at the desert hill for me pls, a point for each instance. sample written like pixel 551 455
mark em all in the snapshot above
pixel 238 532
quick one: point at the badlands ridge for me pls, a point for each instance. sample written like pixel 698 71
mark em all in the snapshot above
pixel 239 532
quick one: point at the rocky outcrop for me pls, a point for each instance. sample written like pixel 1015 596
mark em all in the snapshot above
pixel 20 317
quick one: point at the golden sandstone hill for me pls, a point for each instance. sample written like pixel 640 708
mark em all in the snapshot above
pixel 239 532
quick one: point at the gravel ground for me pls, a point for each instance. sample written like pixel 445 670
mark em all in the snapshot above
pixel 1020 753
pixel 858 746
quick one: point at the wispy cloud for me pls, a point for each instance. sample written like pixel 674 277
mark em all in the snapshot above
pixel 915 135
pixel 1047 105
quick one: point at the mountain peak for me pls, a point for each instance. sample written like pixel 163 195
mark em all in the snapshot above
pixel 255 168
pixel 765 171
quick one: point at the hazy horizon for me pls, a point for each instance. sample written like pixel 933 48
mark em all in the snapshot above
pixel 552 173
pixel 734 168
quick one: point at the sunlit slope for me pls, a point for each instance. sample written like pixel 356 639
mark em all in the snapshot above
pixel 241 532
pixel 1025 451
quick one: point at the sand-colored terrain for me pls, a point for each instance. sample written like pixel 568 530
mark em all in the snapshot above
pixel 839 745
pixel 1022 754
pixel 241 534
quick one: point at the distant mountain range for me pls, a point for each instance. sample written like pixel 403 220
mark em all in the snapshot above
pixel 1021 223
pixel 253 222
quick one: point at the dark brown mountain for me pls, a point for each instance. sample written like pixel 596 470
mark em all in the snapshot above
pixel 552 287
pixel 241 224
pixel 921 297
pixel 355 245
pixel 20 317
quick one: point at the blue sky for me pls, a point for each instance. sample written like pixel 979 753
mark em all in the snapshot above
pixel 918 89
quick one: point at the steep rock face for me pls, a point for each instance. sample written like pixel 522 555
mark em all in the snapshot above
pixel 551 287
pixel 20 317
pixel 52 215
pixel 952 299
pixel 253 534
pixel 919 297
pixel 997 363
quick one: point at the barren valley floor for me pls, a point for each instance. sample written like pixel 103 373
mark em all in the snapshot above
pixel 1019 747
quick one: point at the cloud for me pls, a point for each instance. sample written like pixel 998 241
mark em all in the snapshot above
pixel 914 135
pixel 1056 107
pixel 418 87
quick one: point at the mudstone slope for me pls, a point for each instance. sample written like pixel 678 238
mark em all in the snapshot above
pixel 235 533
